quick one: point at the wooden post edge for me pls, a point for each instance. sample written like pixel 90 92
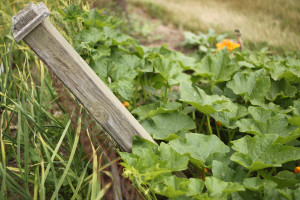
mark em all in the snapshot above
pixel 27 19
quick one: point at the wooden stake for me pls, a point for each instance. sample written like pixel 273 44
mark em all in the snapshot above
pixel 31 25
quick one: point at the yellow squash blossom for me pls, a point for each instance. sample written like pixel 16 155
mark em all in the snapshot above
pixel 227 43
pixel 297 170
pixel 125 103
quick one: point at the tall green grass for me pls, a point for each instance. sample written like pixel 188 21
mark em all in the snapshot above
pixel 40 153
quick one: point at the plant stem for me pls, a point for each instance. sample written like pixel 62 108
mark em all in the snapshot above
pixel 144 92
pixel 78 25
pixel 231 135
pixel 264 174
pixel 194 115
pixel 249 173
pixel 194 118
pixel 143 86
pixel 208 124
pixel 201 124
pixel 212 88
pixel 136 91
pixel 166 93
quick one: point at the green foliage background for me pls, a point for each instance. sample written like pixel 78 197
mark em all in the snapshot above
pixel 252 95
pixel 226 124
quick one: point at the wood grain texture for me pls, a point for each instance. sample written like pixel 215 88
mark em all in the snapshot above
pixel 27 19
pixel 81 80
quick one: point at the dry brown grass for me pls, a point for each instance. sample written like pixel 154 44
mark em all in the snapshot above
pixel 276 22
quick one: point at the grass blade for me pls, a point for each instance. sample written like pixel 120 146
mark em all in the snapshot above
pixel 70 158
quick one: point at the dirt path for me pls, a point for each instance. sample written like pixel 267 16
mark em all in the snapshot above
pixel 161 33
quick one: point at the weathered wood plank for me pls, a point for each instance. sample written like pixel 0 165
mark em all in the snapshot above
pixel 77 76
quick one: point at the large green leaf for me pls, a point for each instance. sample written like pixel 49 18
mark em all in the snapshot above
pixel 270 192
pixel 290 71
pixel 186 62
pixel 143 167
pixel 96 19
pixel 246 195
pixel 152 109
pixel 267 121
pixel 173 160
pixel 166 67
pixel 217 68
pixel 262 151
pixel 283 178
pixel 256 58
pixel 277 70
pixel 179 77
pixel 221 171
pixel 100 62
pixel 72 12
pixel 123 73
pixel 143 110
pixel 197 97
pixel 167 126
pixel 147 161
pixel 296 107
pixel 156 172
pixel 123 81
pixel 281 88
pixel 117 70
pixel 229 118
pixel 268 188
pixel 195 186
pixel 102 67
pixel 293 66
pixel 255 183
pixel 90 36
pixel 172 186
pixel 199 147
pixel 289 194
pixel 168 108
pixel 253 86
pixel 116 38
pixel 101 51
pixel 262 114
pixel 146 66
pixel 219 189
pixel 140 144
pixel 171 71
pixel 245 64
pixel 126 60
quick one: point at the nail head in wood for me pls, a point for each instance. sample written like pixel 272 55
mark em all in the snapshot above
pixel 27 19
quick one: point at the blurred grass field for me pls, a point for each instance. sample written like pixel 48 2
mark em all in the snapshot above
pixel 275 23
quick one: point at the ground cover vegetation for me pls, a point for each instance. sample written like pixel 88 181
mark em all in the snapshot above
pixel 226 123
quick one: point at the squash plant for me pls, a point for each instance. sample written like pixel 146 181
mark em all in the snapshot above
pixel 230 125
